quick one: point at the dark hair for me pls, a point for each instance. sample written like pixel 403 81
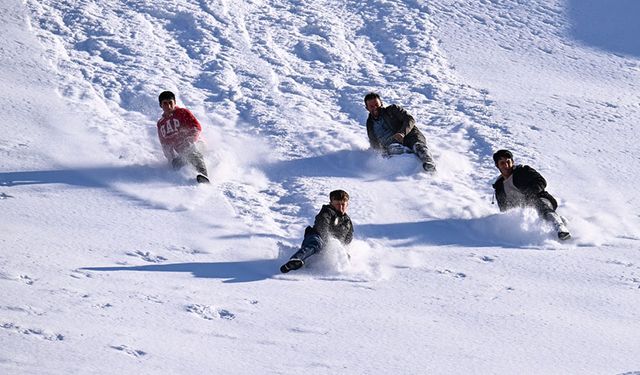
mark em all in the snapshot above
pixel 339 195
pixel 166 95
pixel 370 96
pixel 501 154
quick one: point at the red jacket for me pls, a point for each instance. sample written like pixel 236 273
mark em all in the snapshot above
pixel 178 131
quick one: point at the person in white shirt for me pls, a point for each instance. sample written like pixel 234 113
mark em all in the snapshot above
pixel 520 186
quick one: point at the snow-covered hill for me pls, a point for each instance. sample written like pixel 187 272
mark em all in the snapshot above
pixel 111 262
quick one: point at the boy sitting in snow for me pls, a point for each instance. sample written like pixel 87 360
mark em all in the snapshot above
pixel 179 130
pixel 331 221
pixel 520 186
pixel 390 129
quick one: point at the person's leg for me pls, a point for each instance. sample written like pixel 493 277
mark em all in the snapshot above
pixel 178 162
pixel 422 152
pixel 195 158
pixel 546 211
pixel 312 244
pixel 416 141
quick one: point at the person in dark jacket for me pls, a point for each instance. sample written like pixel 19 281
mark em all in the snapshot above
pixel 390 129
pixel 520 186
pixel 331 222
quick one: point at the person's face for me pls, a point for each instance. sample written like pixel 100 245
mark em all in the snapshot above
pixel 340 206
pixel 168 106
pixel 505 166
pixel 373 106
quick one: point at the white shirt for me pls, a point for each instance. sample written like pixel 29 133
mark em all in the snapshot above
pixel 514 196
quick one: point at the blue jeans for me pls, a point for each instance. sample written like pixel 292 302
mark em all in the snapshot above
pixel 311 245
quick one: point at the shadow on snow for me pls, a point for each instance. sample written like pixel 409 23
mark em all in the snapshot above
pixel 231 272
pixel 491 231
pixel 608 25
pixel 87 177
pixel 345 163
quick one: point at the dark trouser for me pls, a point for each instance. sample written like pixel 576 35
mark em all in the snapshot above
pixel 416 141
pixel 311 245
pixel 191 156
pixel 546 211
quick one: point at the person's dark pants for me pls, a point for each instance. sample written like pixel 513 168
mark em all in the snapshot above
pixel 546 211
pixel 191 156
pixel 312 244
pixel 416 141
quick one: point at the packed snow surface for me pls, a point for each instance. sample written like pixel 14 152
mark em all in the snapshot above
pixel 110 262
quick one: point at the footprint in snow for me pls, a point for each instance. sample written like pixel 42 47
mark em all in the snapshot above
pixel 186 250
pixel 129 351
pixel 103 305
pixel 457 275
pixel 23 278
pixel 224 314
pixel 29 310
pixel 78 274
pixel 147 256
pixel 35 332
pixel 209 312
pixel 619 263
pixel 484 258
pixel 310 330
pixel 634 282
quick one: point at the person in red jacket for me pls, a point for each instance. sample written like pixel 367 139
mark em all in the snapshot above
pixel 179 130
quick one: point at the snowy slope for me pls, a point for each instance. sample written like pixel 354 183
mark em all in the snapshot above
pixel 111 262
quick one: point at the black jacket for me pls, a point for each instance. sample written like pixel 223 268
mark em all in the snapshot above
pixel 529 182
pixel 330 223
pixel 400 121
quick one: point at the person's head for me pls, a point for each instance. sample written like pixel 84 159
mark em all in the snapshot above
pixel 373 103
pixel 503 159
pixel 339 199
pixel 167 101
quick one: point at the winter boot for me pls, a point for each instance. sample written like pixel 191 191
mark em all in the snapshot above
pixel 429 167
pixel 202 179
pixel 563 234
pixel 292 264
pixel 425 156
pixel 559 225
